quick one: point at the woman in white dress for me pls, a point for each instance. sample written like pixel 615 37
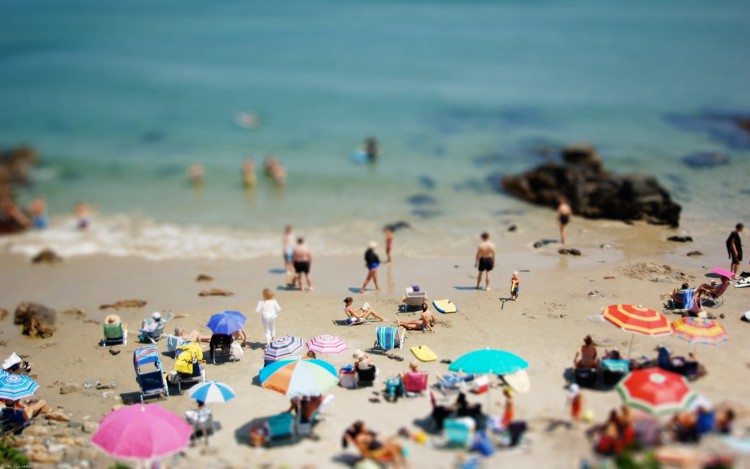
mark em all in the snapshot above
pixel 269 309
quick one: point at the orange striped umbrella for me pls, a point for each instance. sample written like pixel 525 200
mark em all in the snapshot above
pixel 637 319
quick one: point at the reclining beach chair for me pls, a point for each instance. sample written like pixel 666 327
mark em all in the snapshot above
pixel 152 337
pixel 415 382
pixel 280 426
pixel 388 338
pixel 149 372
pixel 221 342
pixel 715 298
pixel 453 381
pixel 413 301
pixel 115 333
pixel 457 432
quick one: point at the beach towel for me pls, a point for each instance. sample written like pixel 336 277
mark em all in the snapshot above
pixel 387 337
pixel 687 300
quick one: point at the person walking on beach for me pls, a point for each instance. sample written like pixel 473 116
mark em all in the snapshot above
pixel 734 247
pixel 287 248
pixel 563 216
pixel 301 258
pixel 388 232
pixel 485 260
pixel 372 261
pixel 269 308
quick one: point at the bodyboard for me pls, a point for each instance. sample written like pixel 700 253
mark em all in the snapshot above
pixel 423 353
pixel 445 306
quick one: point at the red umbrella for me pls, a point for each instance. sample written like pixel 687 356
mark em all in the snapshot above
pixel 656 391
pixel 637 319
pixel 142 431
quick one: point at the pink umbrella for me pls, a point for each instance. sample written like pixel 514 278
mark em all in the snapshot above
pixel 142 431
pixel 326 344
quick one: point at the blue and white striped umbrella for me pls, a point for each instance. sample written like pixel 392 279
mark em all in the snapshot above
pixel 14 386
pixel 282 347
pixel 212 391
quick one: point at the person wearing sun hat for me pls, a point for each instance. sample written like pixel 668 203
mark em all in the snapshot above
pixel 372 261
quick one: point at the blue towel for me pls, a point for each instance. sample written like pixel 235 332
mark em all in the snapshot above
pixel 687 300
pixel 387 337
pixel 621 366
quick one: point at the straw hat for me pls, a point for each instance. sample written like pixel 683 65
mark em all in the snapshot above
pixel 358 354
pixel 112 319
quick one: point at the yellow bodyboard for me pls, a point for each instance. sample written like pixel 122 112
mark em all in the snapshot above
pixel 424 353
pixel 445 306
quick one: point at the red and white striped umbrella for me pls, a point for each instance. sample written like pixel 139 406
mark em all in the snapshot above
pixel 327 344
pixel 656 391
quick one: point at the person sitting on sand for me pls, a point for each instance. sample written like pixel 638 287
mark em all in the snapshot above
pixel 362 361
pixel 362 313
pixel 711 289
pixel 193 336
pixel 679 293
pixel 587 354
pixel 424 324
pixel 28 410
pixel 371 447
pixel 153 323
pixel 413 368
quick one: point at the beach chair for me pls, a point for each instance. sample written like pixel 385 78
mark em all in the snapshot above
pixel 683 299
pixel 115 334
pixel 715 298
pixel 149 372
pixel 413 301
pixel 280 426
pixel 394 388
pixel 366 376
pixel 187 367
pixel 173 343
pixel 152 337
pixel 613 371
pixel 221 342
pixel 453 381
pixel 12 421
pixel 415 382
pixel 388 338
pixel 457 432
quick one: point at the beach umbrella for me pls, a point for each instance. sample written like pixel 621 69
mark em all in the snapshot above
pixel 327 344
pixel 699 331
pixel 212 391
pixel 488 361
pixel 13 387
pixel 226 322
pixel 142 431
pixel 299 376
pixel 484 361
pixel 655 391
pixel 282 347
pixel 638 320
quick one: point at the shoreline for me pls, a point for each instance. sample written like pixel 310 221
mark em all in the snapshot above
pixel 545 327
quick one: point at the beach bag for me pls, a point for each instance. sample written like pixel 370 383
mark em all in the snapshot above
pixel 480 384
pixel 235 351
pixel 347 377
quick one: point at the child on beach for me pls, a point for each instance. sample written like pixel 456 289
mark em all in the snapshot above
pixel 575 401
pixel 514 282
pixel 388 232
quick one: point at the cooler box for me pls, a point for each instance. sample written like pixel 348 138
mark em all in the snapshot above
pixel 347 377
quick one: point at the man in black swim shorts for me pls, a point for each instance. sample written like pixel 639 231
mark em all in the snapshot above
pixel 485 260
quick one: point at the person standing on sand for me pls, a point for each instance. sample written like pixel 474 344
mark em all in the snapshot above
pixel 269 308
pixel 388 232
pixel 563 216
pixel 287 248
pixel 301 258
pixel 734 247
pixel 372 261
pixel 485 259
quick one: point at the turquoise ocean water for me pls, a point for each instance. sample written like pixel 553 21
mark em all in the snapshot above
pixel 120 97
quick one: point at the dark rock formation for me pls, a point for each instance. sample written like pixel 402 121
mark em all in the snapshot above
pixel 47 256
pixel 15 166
pixel 204 278
pixel 215 292
pixel 38 320
pixel 572 251
pixel 593 192
pixel 680 239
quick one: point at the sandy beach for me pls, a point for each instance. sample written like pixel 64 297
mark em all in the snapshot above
pixel 561 297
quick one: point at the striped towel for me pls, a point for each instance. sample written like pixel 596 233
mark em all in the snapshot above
pixel 386 337
pixel 687 300
pixel 621 366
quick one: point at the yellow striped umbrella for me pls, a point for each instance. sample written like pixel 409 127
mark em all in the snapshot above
pixel 700 331
pixel 637 319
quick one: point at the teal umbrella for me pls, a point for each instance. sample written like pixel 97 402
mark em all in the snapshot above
pixel 488 361
pixel 485 361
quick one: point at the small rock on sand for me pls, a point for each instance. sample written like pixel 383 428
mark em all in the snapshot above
pixel 46 256
pixel 681 239
pixel 204 278
pixel 77 311
pixel 572 252
pixel 68 388
pixel 694 253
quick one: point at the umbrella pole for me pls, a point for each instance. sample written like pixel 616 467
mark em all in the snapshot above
pixel 489 390
pixel 630 348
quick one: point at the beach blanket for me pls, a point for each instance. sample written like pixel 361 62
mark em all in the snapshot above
pixel 687 301
pixel 386 337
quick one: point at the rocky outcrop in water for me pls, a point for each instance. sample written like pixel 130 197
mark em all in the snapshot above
pixel 593 192
pixel 15 167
